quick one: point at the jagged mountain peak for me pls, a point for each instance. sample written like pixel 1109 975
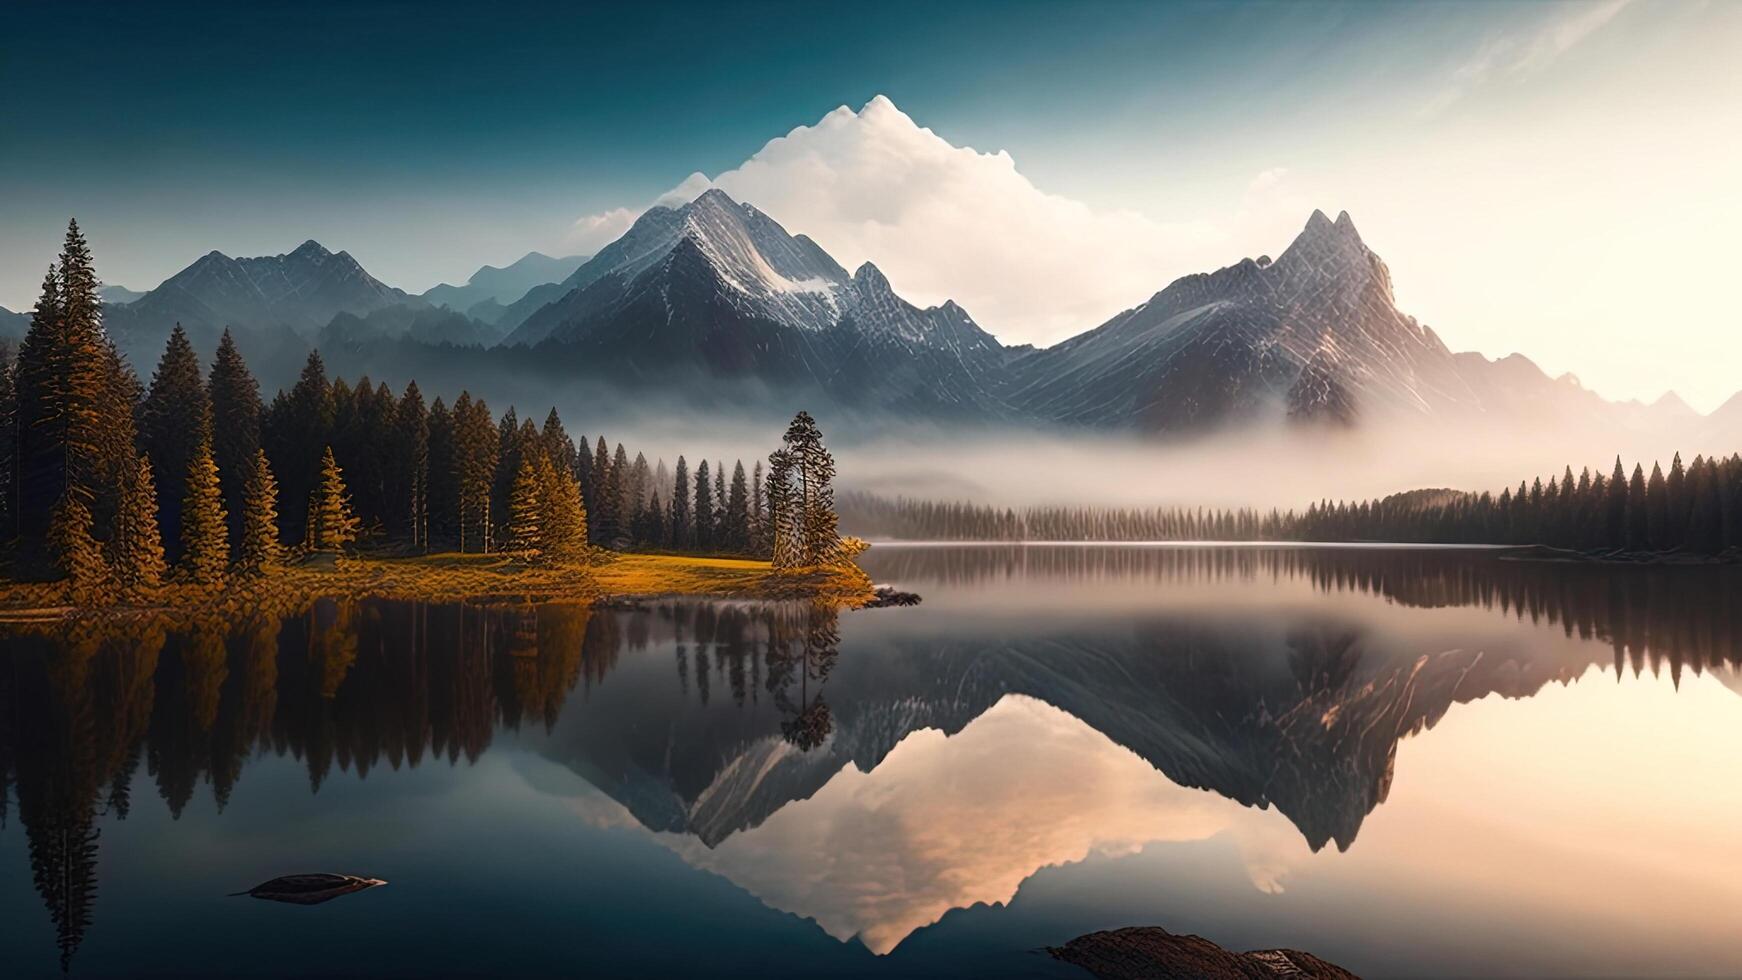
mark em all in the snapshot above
pixel 1322 234
pixel 312 248
pixel 868 276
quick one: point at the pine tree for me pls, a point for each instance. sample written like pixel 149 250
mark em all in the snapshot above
pixel 557 443
pixel 261 549
pixel 680 529
pixel 784 512
pixel 1638 530
pixel 235 403
pixel 1705 512
pixel 721 533
pixel 1675 505
pixel 812 470
pixel 8 441
pixel 443 480
pixel 75 553
pixel 38 425
pixel 603 513
pixel 584 474
pixel 1657 509
pixel 653 531
pixel 704 512
pixel 409 481
pixel 623 476
pixel 508 456
pixel 331 523
pixel 136 549
pixel 525 508
pixel 563 523
pixel 477 444
pixel 174 419
pixel 738 511
pixel 205 531
pixel 74 399
pixel 300 430
pixel 758 514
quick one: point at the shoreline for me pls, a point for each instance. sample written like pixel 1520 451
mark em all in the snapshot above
pixel 450 577
pixel 1509 552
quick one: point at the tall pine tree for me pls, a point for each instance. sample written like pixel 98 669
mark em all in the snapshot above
pixel 261 549
pixel 136 549
pixel 174 419
pixel 235 400
pixel 331 523
pixel 205 532
pixel 526 508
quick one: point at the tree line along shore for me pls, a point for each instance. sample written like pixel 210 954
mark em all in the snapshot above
pixel 1691 513
pixel 193 491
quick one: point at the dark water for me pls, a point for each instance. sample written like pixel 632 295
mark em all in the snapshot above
pixel 1409 762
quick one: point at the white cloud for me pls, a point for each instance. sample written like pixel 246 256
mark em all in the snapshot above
pixel 595 231
pixel 949 222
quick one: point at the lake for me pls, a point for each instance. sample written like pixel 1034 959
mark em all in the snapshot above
pixel 1408 761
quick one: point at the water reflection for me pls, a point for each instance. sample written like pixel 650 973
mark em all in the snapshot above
pixel 844 769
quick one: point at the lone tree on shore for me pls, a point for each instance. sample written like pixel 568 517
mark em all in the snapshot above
pixel 260 550
pixel 331 524
pixel 205 534
pixel 802 498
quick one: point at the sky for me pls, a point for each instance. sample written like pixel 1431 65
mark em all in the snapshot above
pixel 1556 179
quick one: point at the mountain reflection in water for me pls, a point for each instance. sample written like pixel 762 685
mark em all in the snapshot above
pixel 869 770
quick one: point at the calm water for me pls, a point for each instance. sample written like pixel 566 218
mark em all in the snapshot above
pixel 1408 762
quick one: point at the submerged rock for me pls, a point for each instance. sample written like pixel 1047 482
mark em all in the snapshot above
pixel 1153 953
pixel 309 889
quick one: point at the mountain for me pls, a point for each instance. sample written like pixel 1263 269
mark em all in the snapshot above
pixel 1721 431
pixel 487 293
pixel 268 296
pixel 113 295
pixel 719 288
pixel 13 325
pixel 1314 335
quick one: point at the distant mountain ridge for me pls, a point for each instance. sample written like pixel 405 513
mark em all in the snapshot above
pixel 486 294
pixel 719 294
pixel 298 292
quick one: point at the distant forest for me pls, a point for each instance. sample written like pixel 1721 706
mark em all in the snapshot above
pixel 1695 509
pixel 115 487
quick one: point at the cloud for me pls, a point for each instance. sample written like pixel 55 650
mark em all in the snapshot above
pixel 1521 54
pixel 593 232
pixel 950 222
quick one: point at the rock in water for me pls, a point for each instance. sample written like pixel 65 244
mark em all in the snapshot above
pixel 1151 953
pixel 309 889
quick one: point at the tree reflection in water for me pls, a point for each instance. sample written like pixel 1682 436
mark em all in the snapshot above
pixel 349 685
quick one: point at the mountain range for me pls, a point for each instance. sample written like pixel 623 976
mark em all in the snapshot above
pixel 486 294
pixel 715 296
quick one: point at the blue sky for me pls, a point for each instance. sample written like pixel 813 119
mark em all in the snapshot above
pixel 430 138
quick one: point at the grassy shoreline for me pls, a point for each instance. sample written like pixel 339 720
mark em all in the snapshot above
pixel 455 577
